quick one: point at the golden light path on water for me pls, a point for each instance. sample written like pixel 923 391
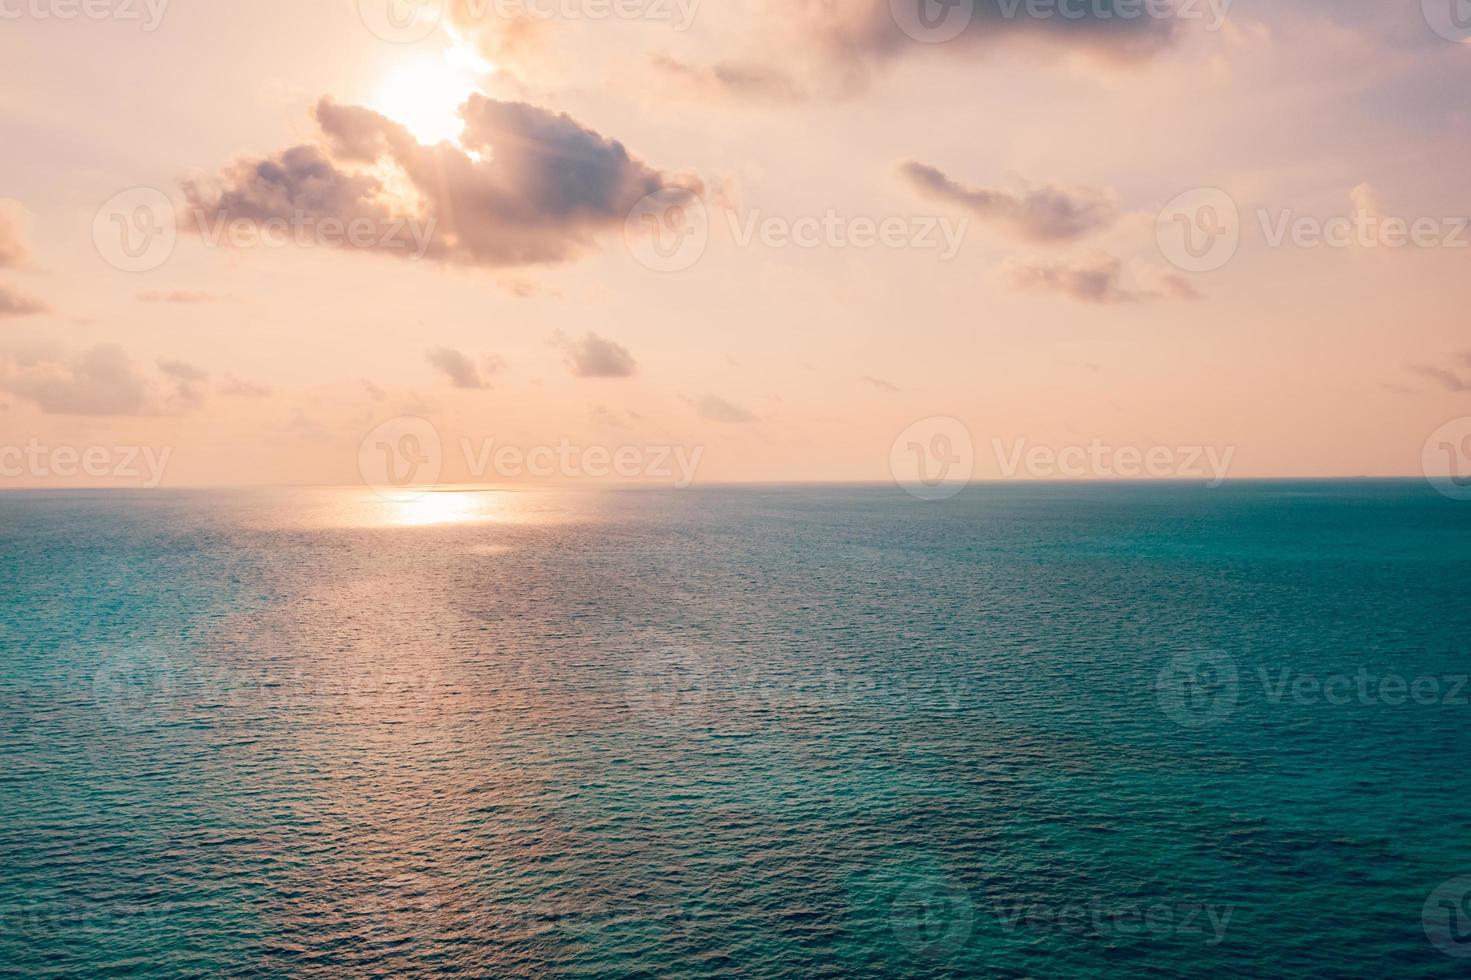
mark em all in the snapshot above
pixel 447 505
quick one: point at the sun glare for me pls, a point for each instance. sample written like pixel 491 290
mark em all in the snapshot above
pixel 425 97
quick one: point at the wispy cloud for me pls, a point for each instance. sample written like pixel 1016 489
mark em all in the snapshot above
pixel 1446 379
pixel 1034 214
pixel 182 296
pixel 101 381
pixel 19 304
pixel 879 383
pixel 1099 280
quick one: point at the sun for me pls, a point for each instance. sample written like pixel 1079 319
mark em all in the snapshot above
pixel 425 96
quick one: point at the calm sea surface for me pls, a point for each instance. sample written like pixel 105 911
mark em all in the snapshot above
pixel 1029 731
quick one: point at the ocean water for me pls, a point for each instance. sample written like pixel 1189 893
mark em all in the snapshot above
pixel 1062 731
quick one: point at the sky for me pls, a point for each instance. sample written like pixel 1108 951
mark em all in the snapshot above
pixel 357 241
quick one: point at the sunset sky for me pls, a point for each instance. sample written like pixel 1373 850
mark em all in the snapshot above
pixel 532 309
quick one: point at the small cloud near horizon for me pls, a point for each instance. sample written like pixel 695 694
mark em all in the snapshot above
pixel 462 370
pixel 716 409
pixel 596 357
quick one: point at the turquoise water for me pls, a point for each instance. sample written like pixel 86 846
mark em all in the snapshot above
pixel 1051 731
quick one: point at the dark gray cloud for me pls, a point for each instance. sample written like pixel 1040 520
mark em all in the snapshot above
pixel 881 29
pixel 595 357
pixel 717 409
pixel 880 383
pixel 525 186
pixel 1039 214
pixel 1097 280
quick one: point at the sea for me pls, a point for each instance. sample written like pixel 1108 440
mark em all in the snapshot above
pixel 1033 730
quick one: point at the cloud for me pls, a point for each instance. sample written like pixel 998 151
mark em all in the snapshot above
pixel 233 387
pixel 747 80
pixel 176 296
pixel 594 357
pixel 526 185
pixel 879 383
pixel 18 304
pixel 1448 380
pixel 1097 280
pixel 1035 214
pixel 718 409
pixel 183 371
pixel 462 371
pixel 99 381
pixel 15 253
pixel 871 30
pixel 836 47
